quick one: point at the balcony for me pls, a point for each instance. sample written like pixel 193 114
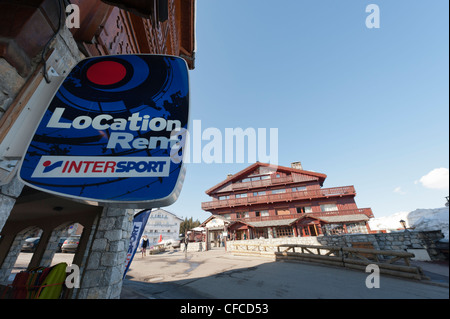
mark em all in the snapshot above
pixel 283 197
pixel 263 183
pixel 357 211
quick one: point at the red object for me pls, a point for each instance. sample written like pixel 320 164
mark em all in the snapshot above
pixel 106 73
pixel 160 239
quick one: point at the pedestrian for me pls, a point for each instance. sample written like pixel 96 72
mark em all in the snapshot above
pixel 186 241
pixel 144 245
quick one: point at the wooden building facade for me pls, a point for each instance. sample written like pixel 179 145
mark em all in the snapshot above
pixel 156 26
pixel 289 201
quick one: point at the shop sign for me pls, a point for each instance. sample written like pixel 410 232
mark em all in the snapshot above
pixel 107 134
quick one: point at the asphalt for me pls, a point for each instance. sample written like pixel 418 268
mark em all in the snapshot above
pixel 436 271
pixel 217 274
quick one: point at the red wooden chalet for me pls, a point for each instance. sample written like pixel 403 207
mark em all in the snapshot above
pixel 261 201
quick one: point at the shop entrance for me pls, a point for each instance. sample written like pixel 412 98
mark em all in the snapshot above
pixel 241 234
pixel 312 230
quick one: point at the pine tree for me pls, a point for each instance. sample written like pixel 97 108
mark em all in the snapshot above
pixel 188 224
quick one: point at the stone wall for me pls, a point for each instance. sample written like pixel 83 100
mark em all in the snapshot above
pixel 402 241
pixel 194 246
pixel 105 260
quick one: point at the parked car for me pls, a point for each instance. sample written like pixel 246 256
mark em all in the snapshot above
pixel 60 243
pixel 71 244
pixel 174 243
pixel 30 244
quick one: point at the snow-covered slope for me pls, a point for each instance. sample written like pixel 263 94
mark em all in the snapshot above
pixel 419 219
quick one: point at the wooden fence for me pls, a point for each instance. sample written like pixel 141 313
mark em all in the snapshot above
pixel 390 262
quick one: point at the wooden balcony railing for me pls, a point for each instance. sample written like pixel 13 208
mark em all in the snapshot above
pixel 287 197
pixel 263 182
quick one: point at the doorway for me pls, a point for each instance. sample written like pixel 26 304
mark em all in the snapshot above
pixel 312 229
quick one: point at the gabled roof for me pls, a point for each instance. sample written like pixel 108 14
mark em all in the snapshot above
pixel 242 174
pixel 214 217
pixel 163 211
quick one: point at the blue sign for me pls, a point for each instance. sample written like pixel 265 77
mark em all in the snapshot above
pixel 139 222
pixel 107 135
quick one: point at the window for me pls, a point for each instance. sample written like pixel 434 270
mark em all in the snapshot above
pixel 261 233
pixel 259 193
pixel 304 210
pixel 284 232
pixel 333 229
pixel 262 213
pixel 242 215
pixel 224 197
pixel 353 228
pixel 305 231
pixel 298 188
pixel 241 195
pixel 328 207
pixel 278 191
pixel 283 212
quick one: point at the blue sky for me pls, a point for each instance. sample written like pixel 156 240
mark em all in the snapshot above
pixel 367 107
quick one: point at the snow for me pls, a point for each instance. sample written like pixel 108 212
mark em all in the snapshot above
pixel 419 219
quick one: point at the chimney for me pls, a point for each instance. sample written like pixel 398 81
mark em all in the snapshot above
pixel 297 165
pixel 229 175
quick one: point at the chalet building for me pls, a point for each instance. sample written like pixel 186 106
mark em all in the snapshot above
pixel 162 224
pixel 260 202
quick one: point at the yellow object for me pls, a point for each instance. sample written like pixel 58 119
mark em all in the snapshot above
pixel 53 283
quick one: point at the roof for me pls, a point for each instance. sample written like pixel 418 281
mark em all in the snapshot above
pixel 344 218
pixel 251 168
pixel 279 222
pixel 290 221
pixel 159 210
pixel 213 217
pixel 337 218
pixel 268 223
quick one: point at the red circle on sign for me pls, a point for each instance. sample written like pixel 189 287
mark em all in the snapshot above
pixel 106 73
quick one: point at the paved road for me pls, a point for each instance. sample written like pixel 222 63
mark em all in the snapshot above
pixel 217 274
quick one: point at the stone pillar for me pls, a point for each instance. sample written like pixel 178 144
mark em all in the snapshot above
pixel 14 243
pixel 8 197
pixel 52 246
pixel 105 263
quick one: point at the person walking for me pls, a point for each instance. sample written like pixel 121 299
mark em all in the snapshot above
pixel 186 242
pixel 144 245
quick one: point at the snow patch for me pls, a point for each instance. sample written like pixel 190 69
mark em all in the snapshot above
pixel 419 219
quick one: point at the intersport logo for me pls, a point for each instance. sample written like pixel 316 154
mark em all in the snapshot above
pixel 101 167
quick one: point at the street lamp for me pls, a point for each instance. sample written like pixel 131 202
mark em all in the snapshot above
pixel 403 223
